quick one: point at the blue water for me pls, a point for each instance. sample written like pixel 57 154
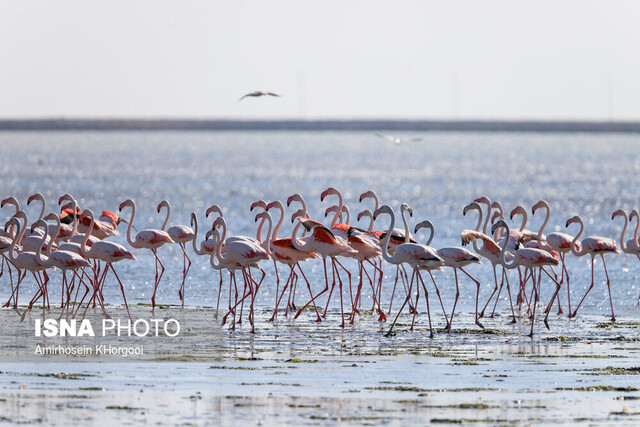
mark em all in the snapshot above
pixel 587 174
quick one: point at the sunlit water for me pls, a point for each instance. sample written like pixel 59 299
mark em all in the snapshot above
pixel 586 174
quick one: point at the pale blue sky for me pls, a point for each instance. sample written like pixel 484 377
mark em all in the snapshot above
pixel 332 59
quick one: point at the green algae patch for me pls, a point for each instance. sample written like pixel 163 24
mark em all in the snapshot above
pixel 610 370
pixel 123 408
pixel 599 388
pixel 397 388
pixel 182 358
pixel 301 361
pixel 240 368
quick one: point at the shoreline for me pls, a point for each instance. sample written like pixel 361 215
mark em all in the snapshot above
pixel 168 124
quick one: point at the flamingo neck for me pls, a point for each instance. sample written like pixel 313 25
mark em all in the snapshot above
pixel 623 244
pixel 486 220
pixel 574 250
pixel 17 236
pixel 166 220
pixel 83 245
pixel 525 218
pixel 503 253
pixel 279 224
pixel 194 241
pixel 43 208
pixel 544 223
pixel 218 249
pixel 214 255
pixel 39 255
pixel 406 225
pixel 55 235
pixel 266 244
pixel 129 228
pixel 338 212
pixel 387 238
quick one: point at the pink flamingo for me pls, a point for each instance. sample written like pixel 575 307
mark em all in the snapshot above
pixel 456 258
pixel 180 234
pixel 593 245
pixel 63 260
pixel 325 243
pixel 413 254
pixel 242 253
pixel 27 261
pixel 108 252
pixel 558 242
pixel 529 258
pixel 632 246
pixel 489 250
pixel 149 238
pixel 283 251
pixel 367 247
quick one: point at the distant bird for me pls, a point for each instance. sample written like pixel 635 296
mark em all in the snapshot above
pixel 258 93
pixel 396 139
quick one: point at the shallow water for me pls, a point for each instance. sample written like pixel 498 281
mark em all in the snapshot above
pixel 361 376
pixel 586 174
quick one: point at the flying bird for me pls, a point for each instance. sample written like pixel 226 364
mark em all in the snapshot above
pixel 396 139
pixel 258 93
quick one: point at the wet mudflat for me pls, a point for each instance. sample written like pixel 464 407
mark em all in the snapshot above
pixel 303 373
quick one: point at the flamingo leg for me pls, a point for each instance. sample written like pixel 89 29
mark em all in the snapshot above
pixel 121 288
pixel 440 298
pixel 604 264
pixel 477 282
pixel 455 302
pixel 388 334
pixel 185 272
pixel 318 319
pixel 376 295
pixel 555 295
pixel 393 292
pixel 279 299
pixel 495 279
pixel 564 267
pixel 426 297
pixel 533 315
pixel 586 293
pixel 333 285
pixel 415 312
pixel 220 290
pixel 313 298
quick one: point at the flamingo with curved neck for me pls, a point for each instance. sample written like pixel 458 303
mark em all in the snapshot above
pixel 530 258
pixel 149 238
pixel 593 245
pixel 416 256
pixel 489 250
pixel 180 234
pixel 456 258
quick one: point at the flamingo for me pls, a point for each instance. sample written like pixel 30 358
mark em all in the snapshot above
pixel 108 252
pixel 489 250
pixel 326 244
pixel 456 258
pixel 27 261
pixel 148 238
pixel 242 253
pixel 207 246
pixel 75 239
pixel 593 245
pixel 530 258
pixel 283 251
pixel 413 254
pixel 366 247
pixel 180 234
pixel 632 246
pixel 558 242
pixel 63 260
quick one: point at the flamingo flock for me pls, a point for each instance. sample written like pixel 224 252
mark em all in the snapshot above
pixel 76 242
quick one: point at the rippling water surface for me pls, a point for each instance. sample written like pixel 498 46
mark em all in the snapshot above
pixel 587 174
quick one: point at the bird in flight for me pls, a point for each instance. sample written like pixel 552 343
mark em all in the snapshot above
pixel 258 93
pixel 396 139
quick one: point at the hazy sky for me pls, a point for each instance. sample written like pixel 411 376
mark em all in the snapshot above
pixel 332 59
